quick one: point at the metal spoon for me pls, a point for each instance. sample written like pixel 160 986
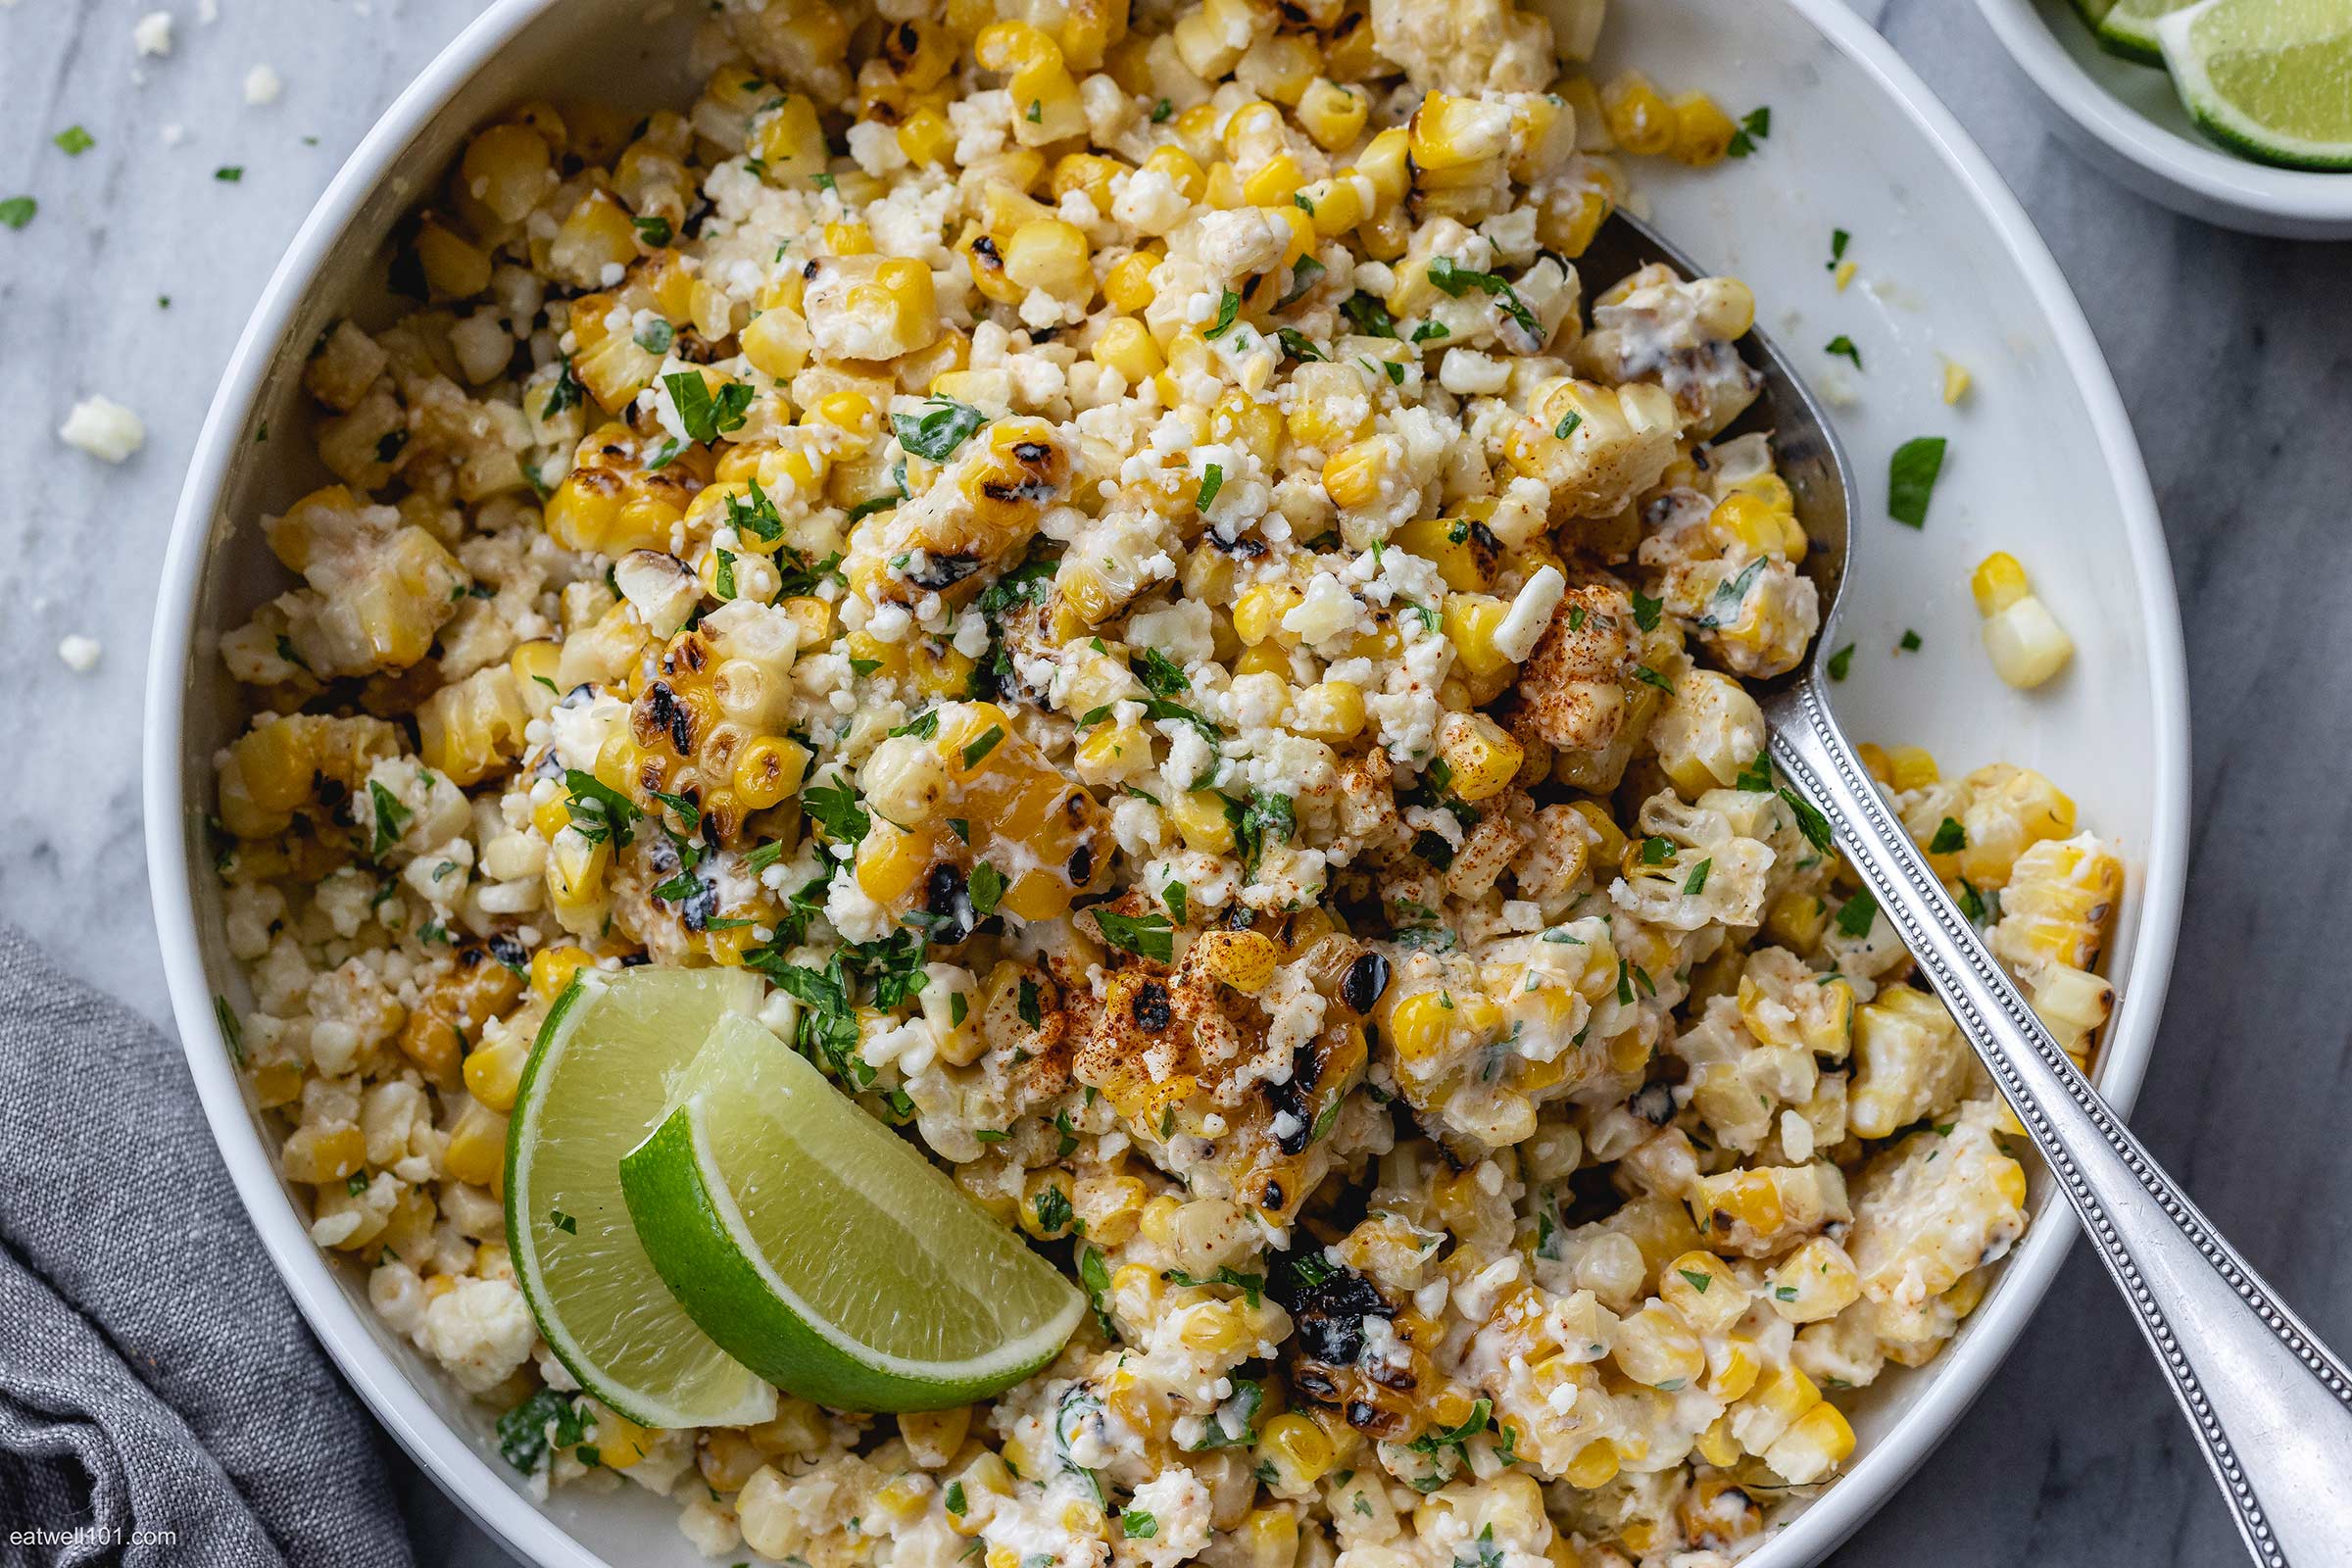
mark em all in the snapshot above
pixel 2271 1404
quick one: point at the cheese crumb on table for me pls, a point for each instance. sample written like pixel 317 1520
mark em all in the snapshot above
pixel 263 85
pixel 151 34
pixel 104 428
pixel 80 653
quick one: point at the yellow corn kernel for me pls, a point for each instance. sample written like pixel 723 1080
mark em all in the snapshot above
pixel 1594 1465
pixel 1126 346
pixel 1911 768
pixel 1640 118
pixel 314 1155
pixel 1259 614
pixel 768 770
pixel 1328 710
pixel 454 267
pixel 477 1148
pixel 1274 184
pixel 1997 583
pixel 1702 131
pixel 1297 1448
pixel 1383 162
pixel 1484 755
pixel 1717 1446
pixel 932 1437
pixel 620 1442
pixel 1332 114
pixel 926 137
pixel 1271 1537
pixel 1053 255
pixel 1956 381
pixel 1471 621
pixel 494 1074
pixel 1243 959
pixel 1353 475
pixel 1815 1443
pixel 1182 170
pixel 1454 543
pixel 1128 284
pixel 1213 1328
pixel 1200 816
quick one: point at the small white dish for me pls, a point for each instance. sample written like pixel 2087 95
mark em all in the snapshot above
pixel 2042 463
pixel 2128 120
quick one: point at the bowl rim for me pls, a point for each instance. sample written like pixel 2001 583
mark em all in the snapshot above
pixel 2214 177
pixel 455 1463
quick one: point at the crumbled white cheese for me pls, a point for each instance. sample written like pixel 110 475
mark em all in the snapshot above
pixel 174 134
pixel 104 428
pixel 151 34
pixel 80 653
pixel 263 85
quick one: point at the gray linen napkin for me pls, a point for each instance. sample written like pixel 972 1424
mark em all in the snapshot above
pixel 154 1375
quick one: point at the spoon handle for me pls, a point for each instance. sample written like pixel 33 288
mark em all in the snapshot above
pixel 2272 1406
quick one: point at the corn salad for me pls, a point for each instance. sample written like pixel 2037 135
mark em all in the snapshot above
pixel 1122 542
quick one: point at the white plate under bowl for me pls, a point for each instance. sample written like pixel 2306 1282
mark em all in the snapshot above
pixel 2125 118
pixel 2041 463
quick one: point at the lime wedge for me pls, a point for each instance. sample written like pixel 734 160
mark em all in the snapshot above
pixel 2128 27
pixel 596 1084
pixel 823 1250
pixel 2269 78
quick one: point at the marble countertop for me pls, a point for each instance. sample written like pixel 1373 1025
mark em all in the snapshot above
pixel 2235 356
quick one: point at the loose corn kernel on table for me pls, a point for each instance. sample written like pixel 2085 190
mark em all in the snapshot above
pixel 2061 1346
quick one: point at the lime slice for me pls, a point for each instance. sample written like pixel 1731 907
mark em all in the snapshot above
pixel 2269 78
pixel 597 1082
pixel 2128 27
pixel 823 1250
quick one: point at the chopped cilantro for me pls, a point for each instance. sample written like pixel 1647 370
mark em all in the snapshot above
pixel 1911 475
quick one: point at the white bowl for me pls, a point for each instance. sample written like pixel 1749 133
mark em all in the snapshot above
pixel 2127 118
pixel 2042 462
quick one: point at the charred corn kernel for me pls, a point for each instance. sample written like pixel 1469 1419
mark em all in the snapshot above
pixel 1243 959
pixel 1328 710
pixel 1051 256
pixel 1640 118
pixel 768 770
pixel 1332 114
pixel 495 1072
pixel 477 1148
pixel 1484 755
pixel 1956 381
pixel 1128 284
pixel 1594 1465
pixel 1200 816
pixel 1998 583
pixel 1353 475
pixel 1911 768
pixel 1125 345
pixel 1702 131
